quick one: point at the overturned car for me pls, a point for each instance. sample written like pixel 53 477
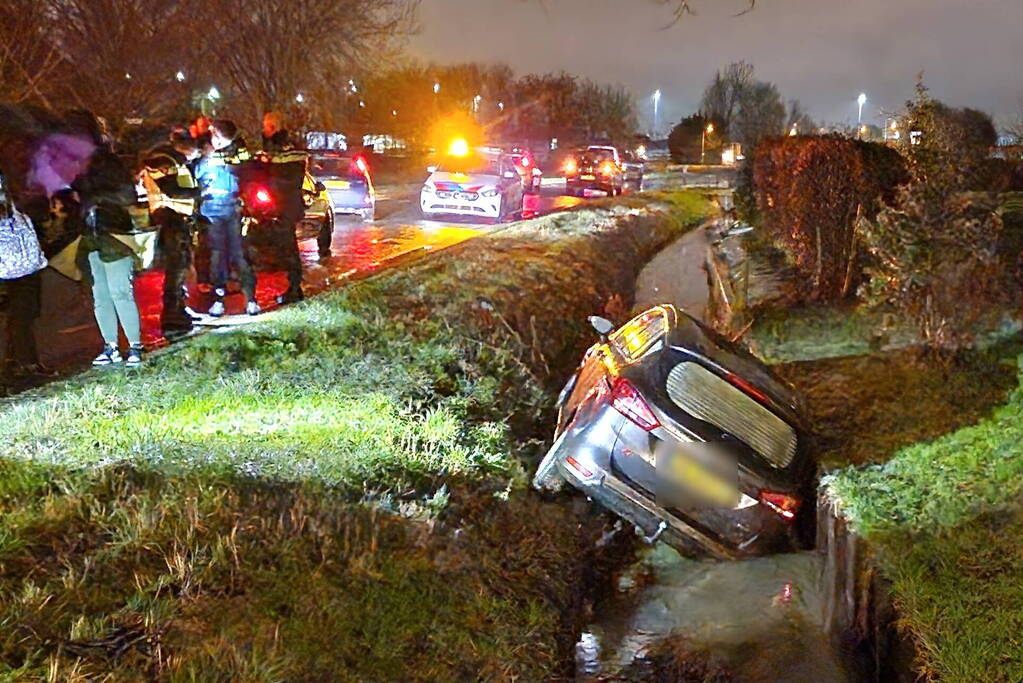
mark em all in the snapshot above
pixel 687 436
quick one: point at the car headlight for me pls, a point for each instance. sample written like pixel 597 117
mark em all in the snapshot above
pixel 489 193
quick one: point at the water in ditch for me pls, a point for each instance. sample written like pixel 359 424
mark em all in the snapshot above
pixel 753 620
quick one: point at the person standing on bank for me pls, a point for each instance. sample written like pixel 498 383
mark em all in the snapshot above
pixel 220 210
pixel 21 262
pixel 106 191
pixel 171 189
pixel 288 166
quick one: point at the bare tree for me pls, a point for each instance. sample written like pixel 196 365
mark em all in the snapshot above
pixel 762 115
pixel 30 60
pixel 723 98
pixel 123 56
pixel 606 111
pixel 799 119
pixel 272 51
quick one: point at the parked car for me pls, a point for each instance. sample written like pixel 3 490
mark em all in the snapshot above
pixel 347 179
pixel 593 169
pixel 687 436
pixel 479 184
pixel 633 167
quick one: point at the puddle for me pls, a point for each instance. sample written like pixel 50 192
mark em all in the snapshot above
pixel 760 619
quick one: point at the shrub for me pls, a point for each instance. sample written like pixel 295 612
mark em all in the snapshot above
pixel 809 192
pixel 936 247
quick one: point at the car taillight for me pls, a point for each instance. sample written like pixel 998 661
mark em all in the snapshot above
pixel 627 400
pixel 263 198
pixel 607 169
pixel 782 503
pixel 570 167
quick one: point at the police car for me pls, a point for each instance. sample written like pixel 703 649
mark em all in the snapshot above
pixel 481 183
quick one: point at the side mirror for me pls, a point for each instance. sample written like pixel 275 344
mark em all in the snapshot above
pixel 603 326
pixel 320 187
pixel 431 169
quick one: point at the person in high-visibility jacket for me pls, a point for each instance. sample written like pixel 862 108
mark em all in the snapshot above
pixel 220 212
pixel 172 192
pixel 288 166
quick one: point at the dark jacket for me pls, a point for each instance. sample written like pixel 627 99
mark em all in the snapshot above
pixel 287 167
pixel 106 191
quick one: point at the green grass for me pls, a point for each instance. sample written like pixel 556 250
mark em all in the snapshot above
pixel 936 495
pixel 336 493
pixel 945 520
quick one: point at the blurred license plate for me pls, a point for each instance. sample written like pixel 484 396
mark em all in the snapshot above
pixel 588 177
pixel 339 184
pixel 701 475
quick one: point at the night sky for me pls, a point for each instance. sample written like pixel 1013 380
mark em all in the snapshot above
pixel 823 52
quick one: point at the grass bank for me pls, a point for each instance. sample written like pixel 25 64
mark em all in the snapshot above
pixel 945 521
pixel 335 492
pixel 936 479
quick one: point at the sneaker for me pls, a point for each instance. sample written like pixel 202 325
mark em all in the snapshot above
pixel 217 309
pixel 109 356
pixel 252 308
pixel 134 358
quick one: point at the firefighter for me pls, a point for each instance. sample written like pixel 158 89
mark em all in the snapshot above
pixel 172 192
pixel 288 166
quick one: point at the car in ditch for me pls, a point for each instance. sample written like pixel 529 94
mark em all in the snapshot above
pixel 687 436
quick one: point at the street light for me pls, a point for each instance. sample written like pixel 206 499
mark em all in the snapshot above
pixel 436 88
pixel 861 100
pixel 794 130
pixel 657 102
pixel 707 130
pixel 500 105
pixel 300 98
pixel 476 103
pixel 213 94
pixel 180 76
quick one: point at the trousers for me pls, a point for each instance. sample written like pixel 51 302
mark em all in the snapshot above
pixel 113 298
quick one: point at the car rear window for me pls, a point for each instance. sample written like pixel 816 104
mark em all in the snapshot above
pixel 636 337
pixel 330 168
pixel 707 397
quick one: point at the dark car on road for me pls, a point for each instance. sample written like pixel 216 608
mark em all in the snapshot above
pixel 348 182
pixel 593 169
pixel 689 437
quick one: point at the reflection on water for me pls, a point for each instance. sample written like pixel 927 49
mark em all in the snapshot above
pixel 760 619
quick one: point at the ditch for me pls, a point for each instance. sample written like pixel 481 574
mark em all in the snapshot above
pixel 822 615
